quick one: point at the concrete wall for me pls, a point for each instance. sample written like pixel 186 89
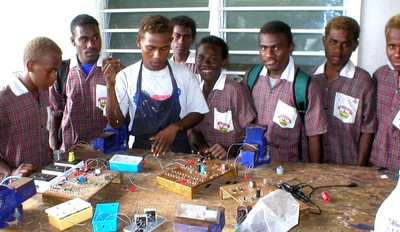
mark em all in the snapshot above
pixel 372 48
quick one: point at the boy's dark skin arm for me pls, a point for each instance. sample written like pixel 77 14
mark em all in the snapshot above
pixel 164 138
pixel 53 132
pixel 110 68
pixel 23 170
pixel 364 148
pixel 315 148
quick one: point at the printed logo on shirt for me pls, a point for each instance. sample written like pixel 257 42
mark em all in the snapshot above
pixel 285 115
pixel 284 120
pixel 223 127
pixel 102 102
pixel 345 108
pixel 101 96
pixel 344 112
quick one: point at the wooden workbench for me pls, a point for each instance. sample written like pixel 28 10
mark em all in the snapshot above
pixel 348 205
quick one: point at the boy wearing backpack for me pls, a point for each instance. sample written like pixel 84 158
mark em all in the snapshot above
pixel 77 107
pixel 348 96
pixel 274 100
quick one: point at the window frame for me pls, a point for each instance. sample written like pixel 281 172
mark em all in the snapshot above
pixel 217 11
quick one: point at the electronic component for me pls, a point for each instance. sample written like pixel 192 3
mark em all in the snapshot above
pixel 146 222
pixel 81 184
pixel 70 213
pixel 76 164
pixel 244 195
pixel 186 177
pixel 141 220
pixel 57 170
pixel 44 181
pixel 190 217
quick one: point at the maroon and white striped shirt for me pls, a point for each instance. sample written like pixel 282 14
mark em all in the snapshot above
pixel 386 147
pixel 341 141
pixel 24 137
pixel 82 120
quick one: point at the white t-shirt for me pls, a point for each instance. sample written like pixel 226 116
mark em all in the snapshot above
pixel 158 85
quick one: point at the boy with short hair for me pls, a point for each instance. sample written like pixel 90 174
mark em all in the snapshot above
pixel 24 113
pixel 348 96
pixel 231 107
pixel 274 100
pixel 82 119
pixel 162 97
pixel 184 35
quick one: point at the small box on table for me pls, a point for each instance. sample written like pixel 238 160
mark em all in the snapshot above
pixel 126 163
pixel 105 217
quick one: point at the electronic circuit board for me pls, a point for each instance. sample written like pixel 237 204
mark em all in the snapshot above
pixel 81 184
pixel 186 177
pixel 248 193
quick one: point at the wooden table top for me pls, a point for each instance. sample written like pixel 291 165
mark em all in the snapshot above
pixel 348 205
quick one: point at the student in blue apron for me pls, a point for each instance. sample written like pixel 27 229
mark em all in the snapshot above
pixel 162 97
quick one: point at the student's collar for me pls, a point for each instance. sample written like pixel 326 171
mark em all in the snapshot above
pixel 16 86
pixel 390 65
pixel 75 62
pixel 347 71
pixel 288 73
pixel 190 60
pixel 219 85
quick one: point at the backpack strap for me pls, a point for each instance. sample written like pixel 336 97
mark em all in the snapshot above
pixel 300 94
pixel 300 90
pixel 253 75
pixel 62 75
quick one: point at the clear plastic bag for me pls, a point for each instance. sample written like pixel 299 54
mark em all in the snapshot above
pixel 277 211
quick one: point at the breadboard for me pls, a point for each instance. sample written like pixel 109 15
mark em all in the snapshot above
pixel 71 187
pixel 69 213
pixel 187 177
pixel 243 194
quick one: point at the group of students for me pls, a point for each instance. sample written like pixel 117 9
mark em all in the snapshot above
pixel 351 117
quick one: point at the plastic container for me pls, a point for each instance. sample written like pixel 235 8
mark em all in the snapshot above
pixel 125 163
pixel 105 217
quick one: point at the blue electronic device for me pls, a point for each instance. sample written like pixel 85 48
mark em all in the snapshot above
pixel 254 151
pixel 112 140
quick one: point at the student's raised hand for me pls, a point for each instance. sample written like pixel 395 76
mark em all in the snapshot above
pixel 110 67
pixel 218 151
pixel 23 170
pixel 163 139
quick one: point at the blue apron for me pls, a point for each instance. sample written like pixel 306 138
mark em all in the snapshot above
pixel 153 115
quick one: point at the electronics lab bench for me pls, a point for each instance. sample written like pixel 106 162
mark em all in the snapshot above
pixel 348 206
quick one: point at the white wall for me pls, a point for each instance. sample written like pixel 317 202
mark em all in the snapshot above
pixel 374 15
pixel 22 20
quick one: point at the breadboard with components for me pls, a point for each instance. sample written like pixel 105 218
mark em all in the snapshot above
pixel 248 193
pixel 81 184
pixel 185 178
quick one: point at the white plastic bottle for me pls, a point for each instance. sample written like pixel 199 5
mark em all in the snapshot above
pixel 388 216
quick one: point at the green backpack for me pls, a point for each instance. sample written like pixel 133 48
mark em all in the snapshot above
pixel 300 87
pixel 300 90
